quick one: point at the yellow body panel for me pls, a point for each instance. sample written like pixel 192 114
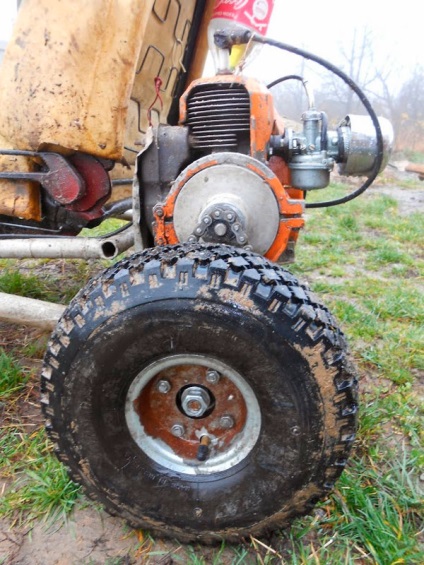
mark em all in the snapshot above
pixel 79 76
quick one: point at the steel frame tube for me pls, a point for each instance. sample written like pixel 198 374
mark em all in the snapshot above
pixel 107 247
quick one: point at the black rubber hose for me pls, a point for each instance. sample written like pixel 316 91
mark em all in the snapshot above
pixel 283 79
pixel 379 136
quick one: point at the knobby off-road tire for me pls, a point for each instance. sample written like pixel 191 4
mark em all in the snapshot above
pixel 279 394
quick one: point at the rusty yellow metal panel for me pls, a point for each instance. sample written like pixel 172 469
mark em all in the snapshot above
pixel 161 55
pixel 68 71
pixel 20 199
pixel 81 76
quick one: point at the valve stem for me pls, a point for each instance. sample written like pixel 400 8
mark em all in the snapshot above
pixel 203 450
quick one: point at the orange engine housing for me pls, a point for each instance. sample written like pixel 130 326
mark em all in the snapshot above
pixel 230 120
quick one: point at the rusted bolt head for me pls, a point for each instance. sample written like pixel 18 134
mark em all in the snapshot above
pixel 226 422
pixel 164 386
pixel 178 430
pixel 158 210
pixel 195 401
pixel 212 377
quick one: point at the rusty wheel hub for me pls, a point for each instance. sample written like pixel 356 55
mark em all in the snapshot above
pixel 193 414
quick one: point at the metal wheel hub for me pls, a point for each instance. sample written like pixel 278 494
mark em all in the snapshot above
pixel 184 405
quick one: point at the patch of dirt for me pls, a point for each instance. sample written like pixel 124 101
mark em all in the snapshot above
pixel 90 537
pixel 409 200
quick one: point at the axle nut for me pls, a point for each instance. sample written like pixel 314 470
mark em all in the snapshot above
pixel 220 229
pixel 195 401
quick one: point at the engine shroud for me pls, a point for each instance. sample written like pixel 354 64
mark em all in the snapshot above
pixel 225 190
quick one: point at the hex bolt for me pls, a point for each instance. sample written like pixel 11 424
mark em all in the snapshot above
pixel 178 430
pixel 226 422
pixel 212 377
pixel 164 386
pixel 158 210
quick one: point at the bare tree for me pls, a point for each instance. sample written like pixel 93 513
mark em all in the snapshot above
pixel 410 111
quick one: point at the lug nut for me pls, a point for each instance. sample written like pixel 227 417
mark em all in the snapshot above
pixel 226 422
pixel 212 377
pixel 164 386
pixel 177 430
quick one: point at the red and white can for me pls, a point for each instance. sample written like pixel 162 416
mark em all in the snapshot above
pixel 232 15
pixel 253 15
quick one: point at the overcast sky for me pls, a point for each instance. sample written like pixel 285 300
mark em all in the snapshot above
pixel 323 27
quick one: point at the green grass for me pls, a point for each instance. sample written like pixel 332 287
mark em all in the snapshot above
pixel 366 262
pixel 60 288
pixel 12 377
pixel 414 156
pixel 42 488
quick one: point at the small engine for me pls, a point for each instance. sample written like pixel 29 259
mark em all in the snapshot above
pixel 228 175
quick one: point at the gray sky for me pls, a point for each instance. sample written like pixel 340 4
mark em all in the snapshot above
pixel 323 27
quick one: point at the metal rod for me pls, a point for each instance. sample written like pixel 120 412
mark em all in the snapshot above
pixel 28 311
pixel 107 247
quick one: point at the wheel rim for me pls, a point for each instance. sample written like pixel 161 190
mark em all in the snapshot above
pixel 180 402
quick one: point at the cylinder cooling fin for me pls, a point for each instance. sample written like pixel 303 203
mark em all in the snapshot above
pixel 218 116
